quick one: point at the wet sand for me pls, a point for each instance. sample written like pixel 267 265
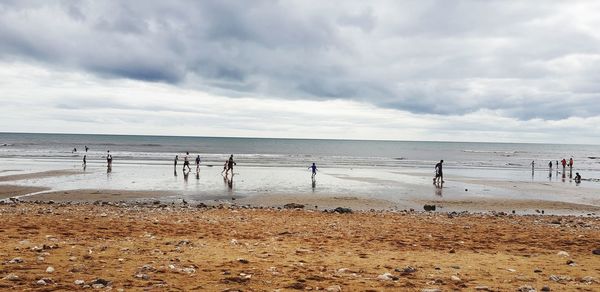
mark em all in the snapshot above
pixel 95 195
pixel 37 175
pixel 183 247
pixel 9 191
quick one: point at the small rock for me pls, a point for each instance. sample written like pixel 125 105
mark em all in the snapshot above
pixel 559 278
pixel 243 261
pixel 16 261
pixel 41 282
pixel 100 281
pixel 293 206
pixel 342 210
pixel 79 282
pixel 526 288
pixel 97 286
pixel 103 215
pixel 385 277
pixel 11 277
pixel 50 269
pixel 72 259
pixel 335 288
pixel 189 270
pixel 596 251
pixel 588 279
pixel 537 271
pixel 431 290
pixel 142 276
pixel 405 271
pixel 562 254
pixel 482 288
pixel 545 288
pixel 511 270
pixel 455 278
pixel 429 207
pixel 571 263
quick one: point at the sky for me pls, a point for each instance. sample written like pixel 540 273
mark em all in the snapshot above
pixel 494 71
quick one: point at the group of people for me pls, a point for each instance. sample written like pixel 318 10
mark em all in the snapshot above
pixel 565 163
pixel 186 163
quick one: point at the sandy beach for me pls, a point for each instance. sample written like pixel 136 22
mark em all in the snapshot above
pixel 189 248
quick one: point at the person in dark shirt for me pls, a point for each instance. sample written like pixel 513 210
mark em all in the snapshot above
pixel 230 164
pixel 198 164
pixel 313 169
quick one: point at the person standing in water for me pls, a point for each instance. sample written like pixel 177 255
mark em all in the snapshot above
pixel 109 159
pixel 564 164
pixel 439 175
pixel 230 164
pixel 84 161
pixel 224 172
pixel 313 169
pixel 198 164
pixel 86 148
pixel 175 161
pixel 532 166
pixel 186 162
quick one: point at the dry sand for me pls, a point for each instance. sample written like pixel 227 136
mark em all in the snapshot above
pixel 184 248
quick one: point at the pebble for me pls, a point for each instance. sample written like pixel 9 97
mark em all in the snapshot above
pixel 596 251
pixel 79 282
pixel 335 288
pixel 559 278
pixel 385 277
pixel 588 279
pixel 455 278
pixel 142 276
pixel 97 286
pixel 11 277
pixel 482 288
pixel 431 290
pixel 526 288
pixel 511 270
pixel 41 282
pixel 16 261
pixel 50 269
pixel 189 270
pixel 545 288
pixel 243 261
pixel 562 253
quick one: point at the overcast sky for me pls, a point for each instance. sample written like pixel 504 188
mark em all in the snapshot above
pixel 510 71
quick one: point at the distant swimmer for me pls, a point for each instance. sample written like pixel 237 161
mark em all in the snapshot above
pixel 577 177
pixel 86 148
pixel 313 169
pixel 439 175
pixel 230 164
pixel 198 164
pixel 74 150
pixel 186 161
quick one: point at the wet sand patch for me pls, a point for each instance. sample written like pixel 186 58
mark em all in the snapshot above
pixel 37 175
pixel 9 191
pixel 86 195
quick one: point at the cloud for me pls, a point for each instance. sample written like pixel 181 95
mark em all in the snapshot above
pixel 522 60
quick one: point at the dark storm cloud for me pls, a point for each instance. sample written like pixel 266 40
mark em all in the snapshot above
pixel 526 59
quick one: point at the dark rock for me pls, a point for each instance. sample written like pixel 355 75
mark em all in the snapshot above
pixel 545 288
pixel 100 281
pixel 297 286
pixel 293 206
pixel 429 207
pixel 342 210
pixel 596 251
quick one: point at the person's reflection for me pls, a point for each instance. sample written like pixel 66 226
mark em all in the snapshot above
pixel 228 182
pixel 563 176
pixel 550 175
pixel 185 175
pixel 438 188
pixel 314 182
pixel 175 172
pixel 197 175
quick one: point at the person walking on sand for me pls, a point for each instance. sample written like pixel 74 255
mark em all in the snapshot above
pixel 439 175
pixel 186 161
pixel 175 161
pixel 313 169
pixel 198 164
pixel 230 164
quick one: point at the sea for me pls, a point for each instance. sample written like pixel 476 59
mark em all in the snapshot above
pixel 270 152
pixel 390 170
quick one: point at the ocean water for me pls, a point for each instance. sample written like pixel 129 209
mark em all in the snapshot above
pixel 296 152
pixel 397 171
